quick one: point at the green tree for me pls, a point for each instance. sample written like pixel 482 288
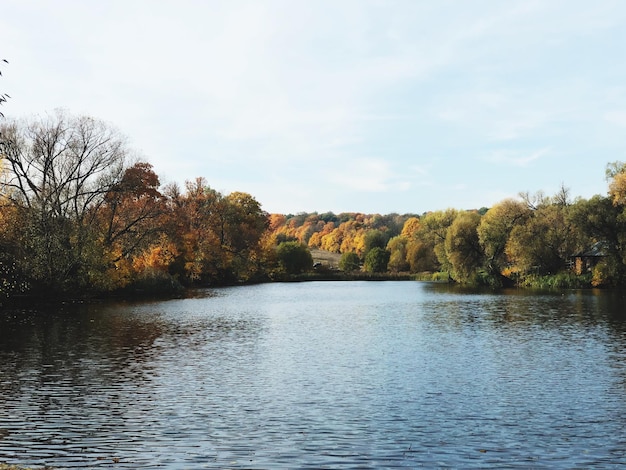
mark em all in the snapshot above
pixel 376 260
pixel 374 238
pixel 545 242
pixel 463 248
pixel 349 261
pixel 294 257
pixel 432 232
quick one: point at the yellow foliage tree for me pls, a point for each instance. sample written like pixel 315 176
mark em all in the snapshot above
pixel 411 227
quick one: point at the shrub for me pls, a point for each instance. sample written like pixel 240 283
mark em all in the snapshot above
pixel 376 260
pixel 349 262
pixel 294 257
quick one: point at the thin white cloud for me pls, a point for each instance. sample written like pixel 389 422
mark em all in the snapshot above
pixel 616 117
pixel 420 170
pixel 368 175
pixel 515 158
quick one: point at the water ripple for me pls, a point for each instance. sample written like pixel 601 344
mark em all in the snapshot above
pixel 318 375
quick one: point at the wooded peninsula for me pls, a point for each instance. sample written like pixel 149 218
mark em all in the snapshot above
pixel 80 218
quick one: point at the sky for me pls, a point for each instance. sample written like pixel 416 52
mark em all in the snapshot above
pixel 374 106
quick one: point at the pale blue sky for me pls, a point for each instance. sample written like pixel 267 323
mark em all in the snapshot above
pixel 343 105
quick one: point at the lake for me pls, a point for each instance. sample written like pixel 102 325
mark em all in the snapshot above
pixel 318 375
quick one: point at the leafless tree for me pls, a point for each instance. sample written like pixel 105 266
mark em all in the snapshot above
pixel 60 165
pixel 56 170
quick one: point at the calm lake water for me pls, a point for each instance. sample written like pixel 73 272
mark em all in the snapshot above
pixel 319 375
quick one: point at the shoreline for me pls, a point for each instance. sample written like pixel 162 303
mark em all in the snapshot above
pixel 6 466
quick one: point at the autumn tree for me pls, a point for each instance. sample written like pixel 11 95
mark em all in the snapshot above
pixel 463 248
pixel 198 243
pixel 411 227
pixel 221 238
pixel 616 176
pixel 421 256
pixel 246 223
pixel 354 237
pixel 131 208
pixel 494 230
pixel 398 254
pixel 132 218
pixel 544 243
pixel 323 229
pixel 332 241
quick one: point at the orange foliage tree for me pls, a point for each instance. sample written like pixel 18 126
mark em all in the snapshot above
pixel 131 218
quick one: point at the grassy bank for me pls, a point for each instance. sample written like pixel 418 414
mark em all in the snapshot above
pixel 564 280
pixel 345 276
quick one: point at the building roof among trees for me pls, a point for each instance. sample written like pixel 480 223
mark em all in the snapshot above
pixel 596 251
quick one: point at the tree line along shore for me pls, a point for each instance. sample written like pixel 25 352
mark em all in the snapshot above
pixel 79 217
